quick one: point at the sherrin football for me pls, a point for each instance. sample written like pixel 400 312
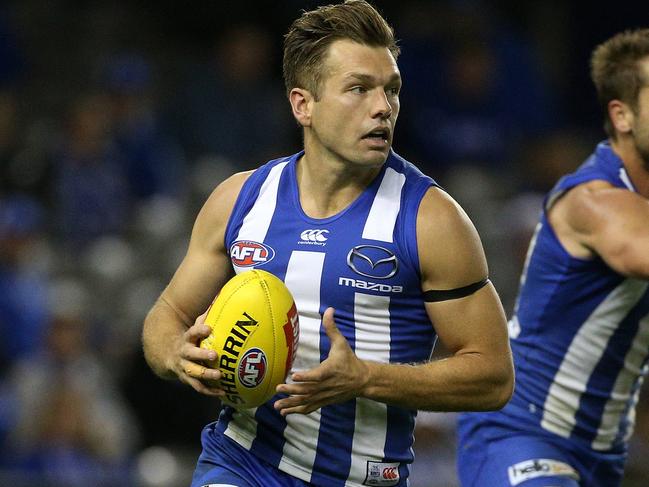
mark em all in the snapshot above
pixel 255 332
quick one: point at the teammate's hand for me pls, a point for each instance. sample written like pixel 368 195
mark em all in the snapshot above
pixel 340 377
pixel 190 366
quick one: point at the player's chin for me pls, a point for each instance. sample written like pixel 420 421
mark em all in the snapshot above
pixel 377 157
pixel 374 156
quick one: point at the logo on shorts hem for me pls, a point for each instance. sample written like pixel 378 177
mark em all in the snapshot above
pixel 539 467
pixel 382 474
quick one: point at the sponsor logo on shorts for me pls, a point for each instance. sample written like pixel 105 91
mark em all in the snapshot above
pixel 540 467
pixel 247 253
pixel 382 474
pixel 252 368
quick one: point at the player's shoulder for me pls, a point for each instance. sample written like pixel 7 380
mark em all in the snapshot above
pixel 226 193
pixel 439 211
pixel 213 216
pixel 450 249
pixel 221 202
pixel 583 204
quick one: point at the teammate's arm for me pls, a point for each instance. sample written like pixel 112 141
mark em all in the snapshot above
pixel 597 218
pixel 173 328
pixel 479 373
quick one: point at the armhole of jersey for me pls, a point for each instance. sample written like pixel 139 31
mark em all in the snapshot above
pixel 408 217
pixel 245 199
pixel 570 182
pixel 559 191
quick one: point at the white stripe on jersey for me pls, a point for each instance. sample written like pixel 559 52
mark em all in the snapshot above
pixel 372 338
pixel 385 207
pixel 243 427
pixel 624 176
pixel 616 407
pixel 255 224
pixel 303 277
pixel 584 354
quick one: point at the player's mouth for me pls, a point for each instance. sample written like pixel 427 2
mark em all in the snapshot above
pixel 379 137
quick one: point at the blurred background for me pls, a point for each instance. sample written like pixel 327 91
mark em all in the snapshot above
pixel 118 118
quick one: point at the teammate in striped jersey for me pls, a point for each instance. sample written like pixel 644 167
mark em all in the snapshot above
pixel 379 259
pixel 580 330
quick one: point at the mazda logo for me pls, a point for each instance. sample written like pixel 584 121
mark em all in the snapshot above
pixel 373 261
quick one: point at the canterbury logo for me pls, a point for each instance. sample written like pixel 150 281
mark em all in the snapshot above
pixel 314 235
pixel 382 474
pixel 390 473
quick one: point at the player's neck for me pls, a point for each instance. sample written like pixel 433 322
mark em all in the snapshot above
pixel 328 186
pixel 636 167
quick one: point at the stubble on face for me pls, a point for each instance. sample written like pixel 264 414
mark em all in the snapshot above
pixel 350 105
pixel 641 118
pixel 641 127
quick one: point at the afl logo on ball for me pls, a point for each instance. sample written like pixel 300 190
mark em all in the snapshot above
pixel 246 253
pixel 252 368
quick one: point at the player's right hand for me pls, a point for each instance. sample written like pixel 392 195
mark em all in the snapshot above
pixel 192 366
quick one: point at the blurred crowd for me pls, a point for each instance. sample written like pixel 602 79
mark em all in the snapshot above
pixel 118 119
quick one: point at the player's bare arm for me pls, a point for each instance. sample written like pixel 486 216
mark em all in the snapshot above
pixel 174 327
pixel 478 375
pixel 598 219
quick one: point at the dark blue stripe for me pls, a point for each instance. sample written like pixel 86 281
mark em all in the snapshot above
pixel 331 466
pixel 224 418
pixel 400 422
pixel 269 441
pixel 337 422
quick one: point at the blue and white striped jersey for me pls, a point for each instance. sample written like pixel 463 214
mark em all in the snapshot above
pixel 362 261
pixel 579 334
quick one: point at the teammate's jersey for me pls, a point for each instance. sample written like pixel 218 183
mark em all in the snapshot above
pixel 363 262
pixel 579 334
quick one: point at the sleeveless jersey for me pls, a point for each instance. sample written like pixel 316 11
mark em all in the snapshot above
pixel 579 334
pixel 363 262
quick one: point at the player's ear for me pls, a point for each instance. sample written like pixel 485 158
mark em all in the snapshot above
pixel 301 104
pixel 621 116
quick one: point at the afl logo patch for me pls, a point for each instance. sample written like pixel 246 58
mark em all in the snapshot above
pixel 246 253
pixel 252 368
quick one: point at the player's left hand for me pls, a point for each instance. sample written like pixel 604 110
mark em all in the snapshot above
pixel 340 377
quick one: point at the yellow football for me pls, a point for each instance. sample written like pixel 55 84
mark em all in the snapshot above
pixel 255 332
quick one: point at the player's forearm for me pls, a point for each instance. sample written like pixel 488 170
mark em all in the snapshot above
pixel 464 382
pixel 162 329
